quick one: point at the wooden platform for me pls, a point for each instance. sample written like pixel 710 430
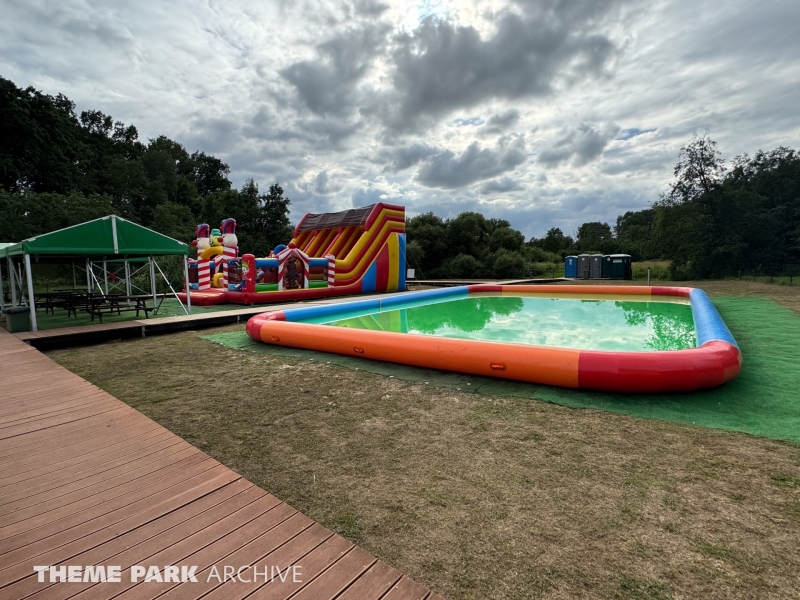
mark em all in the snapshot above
pixel 65 337
pixel 87 480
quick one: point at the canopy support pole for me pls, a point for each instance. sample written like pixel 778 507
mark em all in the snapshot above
pixel 31 300
pixel 20 281
pixel 88 277
pixel 128 280
pixel 105 276
pixel 187 311
pixel 153 282
pixel 11 282
pixel 185 278
pixel 90 273
pixel 2 290
pixel 74 278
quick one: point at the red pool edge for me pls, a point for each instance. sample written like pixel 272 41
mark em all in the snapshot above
pixel 715 361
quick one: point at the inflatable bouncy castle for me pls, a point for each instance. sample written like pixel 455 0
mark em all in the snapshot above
pixel 355 251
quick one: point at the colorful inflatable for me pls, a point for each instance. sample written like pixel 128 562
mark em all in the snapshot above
pixel 355 251
pixel 381 329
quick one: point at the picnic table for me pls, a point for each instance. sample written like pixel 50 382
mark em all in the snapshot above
pixel 57 299
pixel 98 305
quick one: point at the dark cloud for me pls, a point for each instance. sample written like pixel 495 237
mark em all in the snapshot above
pixel 328 85
pixel 403 158
pixel 501 122
pixel 448 170
pixel 321 182
pixel 370 8
pixel 579 146
pixel 442 66
pixel 501 186
pixel 339 103
pixel 364 196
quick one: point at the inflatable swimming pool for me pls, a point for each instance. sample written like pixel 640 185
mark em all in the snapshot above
pixel 616 338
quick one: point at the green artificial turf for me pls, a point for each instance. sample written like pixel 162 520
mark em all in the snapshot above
pixel 764 400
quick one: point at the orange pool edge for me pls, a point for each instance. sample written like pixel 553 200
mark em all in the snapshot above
pixel 716 360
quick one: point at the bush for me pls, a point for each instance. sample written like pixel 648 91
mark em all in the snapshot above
pixel 508 264
pixel 659 270
pixel 464 266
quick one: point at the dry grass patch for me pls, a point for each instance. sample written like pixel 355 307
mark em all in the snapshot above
pixel 480 497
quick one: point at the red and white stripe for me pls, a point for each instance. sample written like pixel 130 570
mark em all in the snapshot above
pixel 286 254
pixel 203 274
pixel 218 260
pixel 227 254
pixel 331 270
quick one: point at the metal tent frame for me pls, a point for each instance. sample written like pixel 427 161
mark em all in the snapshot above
pixel 99 242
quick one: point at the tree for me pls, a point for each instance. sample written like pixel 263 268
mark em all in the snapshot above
pixel 175 221
pixel 634 233
pixel 699 171
pixel 28 214
pixel 593 236
pixel 39 141
pixel 555 241
pixel 273 219
pixel 415 255
pixel 467 234
pixel 506 238
pixel 464 266
pixel 508 264
pixel 208 173
pixel 429 232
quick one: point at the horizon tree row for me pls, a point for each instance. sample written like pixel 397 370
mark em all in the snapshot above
pixel 58 168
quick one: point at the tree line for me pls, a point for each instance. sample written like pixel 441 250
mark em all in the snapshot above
pixel 714 220
pixel 58 168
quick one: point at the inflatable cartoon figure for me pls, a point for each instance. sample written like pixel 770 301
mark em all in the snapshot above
pixel 214 245
pixel 230 248
pixel 202 243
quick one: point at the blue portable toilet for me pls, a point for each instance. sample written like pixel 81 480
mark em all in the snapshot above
pixel 571 266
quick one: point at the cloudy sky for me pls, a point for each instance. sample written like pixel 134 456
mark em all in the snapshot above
pixel 548 113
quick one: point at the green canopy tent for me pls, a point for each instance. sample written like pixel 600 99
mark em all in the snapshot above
pixel 106 239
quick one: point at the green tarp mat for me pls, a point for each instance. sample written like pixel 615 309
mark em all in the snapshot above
pixel 763 401
pixel 110 236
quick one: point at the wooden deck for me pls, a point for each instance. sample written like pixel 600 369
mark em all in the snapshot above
pixel 87 480
pixel 64 337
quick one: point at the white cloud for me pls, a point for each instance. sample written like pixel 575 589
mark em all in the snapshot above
pixel 542 112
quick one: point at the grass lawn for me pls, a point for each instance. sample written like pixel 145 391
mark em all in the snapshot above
pixel 483 496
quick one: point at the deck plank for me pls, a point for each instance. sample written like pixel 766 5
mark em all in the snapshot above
pixel 102 544
pixel 87 480
pixel 94 454
pixel 373 584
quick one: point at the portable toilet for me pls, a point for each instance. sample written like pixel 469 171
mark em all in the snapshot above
pixel 606 272
pixel 571 266
pixel 621 266
pixel 596 271
pixel 584 265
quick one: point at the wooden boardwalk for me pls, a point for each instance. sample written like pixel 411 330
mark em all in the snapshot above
pixel 97 333
pixel 87 480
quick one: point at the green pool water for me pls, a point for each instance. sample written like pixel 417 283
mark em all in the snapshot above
pixel 621 325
